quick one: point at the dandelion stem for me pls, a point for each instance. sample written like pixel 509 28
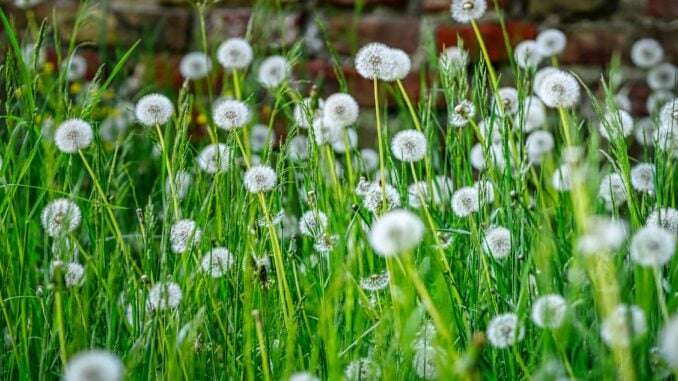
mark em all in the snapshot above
pixel 262 345
pixel 380 139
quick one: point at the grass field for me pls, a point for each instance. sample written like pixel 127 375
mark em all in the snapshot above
pixel 500 227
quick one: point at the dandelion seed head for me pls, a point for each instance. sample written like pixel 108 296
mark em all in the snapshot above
pixel 465 201
pixel 260 178
pixel 538 144
pixel 60 217
pixel 339 145
pixel 551 42
pixel 528 54
pixel 195 66
pixel 184 234
pixel 533 116
pixel 663 77
pixel 375 198
pixel 652 246
pixel 261 137
pixel 485 192
pixel 313 223
pixel 375 282
pixel 182 183
pixel 666 218
pixel 231 114
pixel 235 53
pixel 370 159
pixel 559 89
pixel 442 190
pixel 646 53
pixel 76 68
pixel 540 75
pixel 509 99
pixel 497 242
pixel 612 190
pixel 504 330
pixel 297 148
pixel 642 177
pixel 396 232
pixel 616 125
pixel 563 177
pixel 74 274
pixel 645 131
pixel 375 61
pixel 325 133
pixel 462 113
pixel 409 146
pixel 548 311
pixel 668 342
pixel 73 135
pixel 477 157
pixel 217 262
pixel 303 376
pixel 603 235
pixel 622 325
pixel 453 58
pixel 668 115
pixel 362 369
pixel 94 365
pixel 214 158
pixel 304 114
pixel 401 65
pixel 273 71
pixel 154 109
pixel 340 110
pixel 164 296
pixel 465 11
pixel 424 362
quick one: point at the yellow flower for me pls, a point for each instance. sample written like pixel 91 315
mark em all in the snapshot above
pixel 75 87
pixel 202 118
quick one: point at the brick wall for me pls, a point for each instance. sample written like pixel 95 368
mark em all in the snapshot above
pixel 596 29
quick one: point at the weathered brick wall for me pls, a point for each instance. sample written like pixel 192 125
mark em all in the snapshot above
pixel 596 29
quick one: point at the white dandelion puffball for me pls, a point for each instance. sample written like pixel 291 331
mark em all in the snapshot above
pixel 214 158
pixel 231 114
pixel 485 192
pixel 424 362
pixel 563 177
pixel 666 218
pixel 668 115
pixel 559 89
pixel 182 183
pixel 533 116
pixel 538 144
pixel 465 11
pixel 304 113
pixel 261 137
pixel 663 77
pixel 313 223
pixel 339 145
pixel 657 99
pixel 551 42
pixel 497 242
pixel 376 198
pixel 375 282
pixel 195 66
pixel 73 274
pixel 642 177
pixel 549 311
pixel 60 217
pixel 616 125
pixel 297 148
pixel 303 376
pixel 509 99
pixel 623 101
pixel 465 201
pixel 325 133
pixel 477 157
pixel 491 129
pixel 504 330
pixel 603 235
pixel 273 71
pixel 362 369
pixel 154 109
pixel 645 131
pixel 184 234
pixel 409 145
pixel 442 188
pixel 646 53
pixel 462 113
pixel 612 190
pixel 622 325
pixel 73 135
pixel 164 296
pixel 370 159
pixel 540 75
pixel 453 58
pixel 375 61
pixel 652 246
pixel 528 54
pixel 98 365
pixel 217 262
pixel 235 53
pixel 396 232
pixel 668 342
pixel 76 68
pixel 401 65
pixel 260 178
pixel 340 110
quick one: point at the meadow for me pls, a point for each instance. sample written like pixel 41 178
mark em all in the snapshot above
pixel 499 226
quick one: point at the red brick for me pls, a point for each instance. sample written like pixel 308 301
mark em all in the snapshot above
pixel 593 45
pixel 395 30
pixel 667 9
pixel 446 35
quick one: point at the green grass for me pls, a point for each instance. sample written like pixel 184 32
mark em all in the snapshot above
pixel 306 310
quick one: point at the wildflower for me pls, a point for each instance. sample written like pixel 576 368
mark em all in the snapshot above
pixel 646 53
pixel 642 177
pixel 325 133
pixel 663 77
pixel 465 11
pixel 375 197
pixel 260 178
pixel 442 187
pixel 339 145
pixel 551 42
pixel 163 296
pixel 304 114
pixel 154 109
pixel 612 190
pixel 668 342
pixel 362 369
pixel 477 157
pixel 453 58
pixel 497 242
pixel 31 57
pixel 540 75
pixel 666 218
pixel 195 66
pixel 76 68
pixel 538 144
pixel 96 365
pixel 504 330
pixel 645 131
pixel 60 217
pixel 409 145
pixel 603 235
pixel 375 282
pixel 297 148
pixel 616 125
pixel 261 137
pixel 375 61
pixel 182 183
pixel 424 362
pixel 231 114
pixel 563 177
pixel 491 130
pixel 73 272
pixel 303 376
pixel 235 53
pixel 559 89
pixel 396 232
pixel 217 262
pixel 273 71
pixel 370 159
pixel 668 115
pixel 401 65
pixel 549 311
pixel 340 110
pixel 462 113
pixel 73 135
pixel 313 223
pixel 214 158
pixel 509 98
pixel 622 325
pixel 485 192
pixel 465 201
pixel 184 234
pixel 652 246
pixel 528 54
